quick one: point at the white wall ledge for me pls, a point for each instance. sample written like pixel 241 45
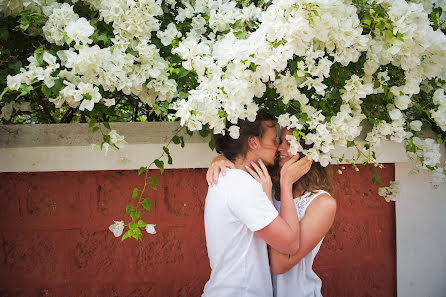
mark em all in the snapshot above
pixel 67 147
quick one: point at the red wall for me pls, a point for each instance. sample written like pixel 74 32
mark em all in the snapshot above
pixel 55 240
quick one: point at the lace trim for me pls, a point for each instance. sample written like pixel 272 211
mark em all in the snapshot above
pixel 303 201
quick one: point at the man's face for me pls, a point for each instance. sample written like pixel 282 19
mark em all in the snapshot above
pixel 268 144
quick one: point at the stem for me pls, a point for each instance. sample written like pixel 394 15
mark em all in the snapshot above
pixel 146 180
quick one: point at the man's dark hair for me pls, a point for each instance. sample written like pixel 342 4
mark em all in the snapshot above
pixel 232 148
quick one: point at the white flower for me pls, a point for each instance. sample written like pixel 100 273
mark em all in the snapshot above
pixel 80 31
pixel 117 228
pixel 416 125
pixel 402 102
pixel 168 35
pixel 117 139
pixel 283 120
pixel 234 131
pixel 105 147
pixel 14 82
pixel 395 114
pixel 150 228
pixel 109 102
pixel 391 192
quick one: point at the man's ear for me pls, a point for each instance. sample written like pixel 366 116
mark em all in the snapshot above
pixel 253 142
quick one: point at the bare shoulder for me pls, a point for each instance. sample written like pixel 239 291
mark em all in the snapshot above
pixel 323 202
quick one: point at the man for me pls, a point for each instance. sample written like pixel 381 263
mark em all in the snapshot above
pixel 239 216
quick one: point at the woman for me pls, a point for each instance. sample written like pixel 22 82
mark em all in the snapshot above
pixel 293 274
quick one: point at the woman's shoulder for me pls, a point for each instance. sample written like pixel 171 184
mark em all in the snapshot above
pixel 322 199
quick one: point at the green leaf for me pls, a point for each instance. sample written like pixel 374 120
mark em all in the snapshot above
pixel 389 34
pixel 136 234
pixel 95 129
pixel 141 223
pixel 129 209
pixel 378 179
pixel 45 90
pixel 183 72
pixel 25 90
pixel 104 38
pixel 135 216
pixel 106 138
pixel 190 133
pixel 204 132
pixel 154 179
pixel 106 125
pixel 350 143
pixel 133 226
pixel 411 147
pixel 91 122
pixel 146 203
pixel 182 141
pixel 367 21
pixel 135 193
pixel 126 235
pixel 141 170
pixel 176 139
pixel 240 34
pixel 211 143
pixel 160 164
pixel 182 95
pixel 38 53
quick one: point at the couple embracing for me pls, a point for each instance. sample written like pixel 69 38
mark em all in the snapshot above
pixel 260 241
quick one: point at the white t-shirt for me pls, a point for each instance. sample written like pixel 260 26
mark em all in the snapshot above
pixel 300 280
pixel 235 208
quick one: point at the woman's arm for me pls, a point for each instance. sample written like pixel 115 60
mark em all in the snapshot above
pixel 284 232
pixel 219 164
pixel 318 219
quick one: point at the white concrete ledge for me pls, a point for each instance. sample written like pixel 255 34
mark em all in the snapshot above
pixel 67 147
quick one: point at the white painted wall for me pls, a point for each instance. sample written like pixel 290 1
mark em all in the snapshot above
pixel 67 147
pixel 420 236
pixel 420 210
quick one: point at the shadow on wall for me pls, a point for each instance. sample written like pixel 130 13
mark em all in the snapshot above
pixel 55 239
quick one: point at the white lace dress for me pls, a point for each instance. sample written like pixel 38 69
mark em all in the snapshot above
pixel 301 280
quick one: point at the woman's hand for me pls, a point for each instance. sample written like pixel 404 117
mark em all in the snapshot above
pixel 260 173
pixel 294 169
pixel 219 164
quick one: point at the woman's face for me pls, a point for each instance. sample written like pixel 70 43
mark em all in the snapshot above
pixel 284 147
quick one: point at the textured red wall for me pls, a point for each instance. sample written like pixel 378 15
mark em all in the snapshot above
pixel 55 240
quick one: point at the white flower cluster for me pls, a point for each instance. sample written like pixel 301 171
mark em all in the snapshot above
pixel 391 192
pixel 82 95
pixel 428 151
pixel 439 114
pixel 15 7
pixel 34 71
pixel 62 22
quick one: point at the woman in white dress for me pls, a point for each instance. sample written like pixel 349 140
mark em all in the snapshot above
pixel 293 275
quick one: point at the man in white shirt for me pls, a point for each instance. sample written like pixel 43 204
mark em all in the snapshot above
pixel 240 218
